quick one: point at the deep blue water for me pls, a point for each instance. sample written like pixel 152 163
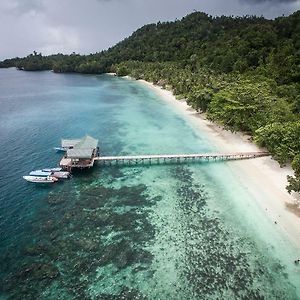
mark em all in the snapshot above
pixel 144 232
pixel 37 110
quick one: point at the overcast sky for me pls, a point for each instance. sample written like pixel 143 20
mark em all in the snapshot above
pixel 88 26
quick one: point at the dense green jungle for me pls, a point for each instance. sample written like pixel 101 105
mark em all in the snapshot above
pixel 243 72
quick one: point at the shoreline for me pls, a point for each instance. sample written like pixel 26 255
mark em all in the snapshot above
pixel 262 177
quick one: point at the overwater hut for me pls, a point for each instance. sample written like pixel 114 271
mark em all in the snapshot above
pixel 80 153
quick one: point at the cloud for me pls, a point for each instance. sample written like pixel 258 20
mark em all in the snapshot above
pixel 270 8
pixel 19 7
pixel 86 26
pixel 263 1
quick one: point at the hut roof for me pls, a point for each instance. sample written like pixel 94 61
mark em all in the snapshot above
pixel 69 143
pixel 87 142
pixel 84 148
pixel 80 153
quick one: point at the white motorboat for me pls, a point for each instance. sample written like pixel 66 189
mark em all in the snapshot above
pixel 56 172
pixel 40 179
pixel 61 174
pixel 52 169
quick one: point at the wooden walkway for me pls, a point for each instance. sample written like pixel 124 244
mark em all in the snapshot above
pixel 178 158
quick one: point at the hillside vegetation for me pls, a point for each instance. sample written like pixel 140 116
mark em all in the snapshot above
pixel 243 72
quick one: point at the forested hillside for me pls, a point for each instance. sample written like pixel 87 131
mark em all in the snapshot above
pixel 243 72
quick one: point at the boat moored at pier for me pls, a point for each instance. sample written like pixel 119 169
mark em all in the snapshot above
pixel 51 172
pixel 40 179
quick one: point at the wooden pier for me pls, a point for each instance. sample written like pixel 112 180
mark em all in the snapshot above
pixel 83 153
pixel 177 158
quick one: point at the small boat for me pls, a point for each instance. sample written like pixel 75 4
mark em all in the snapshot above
pixel 61 174
pixel 40 173
pixel 40 179
pixel 60 149
pixel 52 169
pixel 55 172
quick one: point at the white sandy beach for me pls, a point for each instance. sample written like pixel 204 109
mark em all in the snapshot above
pixel 263 177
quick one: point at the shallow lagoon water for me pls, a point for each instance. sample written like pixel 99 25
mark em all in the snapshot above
pixel 188 231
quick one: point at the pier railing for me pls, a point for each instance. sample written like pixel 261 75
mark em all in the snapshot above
pixel 178 158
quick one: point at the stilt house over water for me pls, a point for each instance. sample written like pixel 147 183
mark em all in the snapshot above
pixel 80 153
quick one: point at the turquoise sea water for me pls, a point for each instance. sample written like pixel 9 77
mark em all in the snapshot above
pixel 135 232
